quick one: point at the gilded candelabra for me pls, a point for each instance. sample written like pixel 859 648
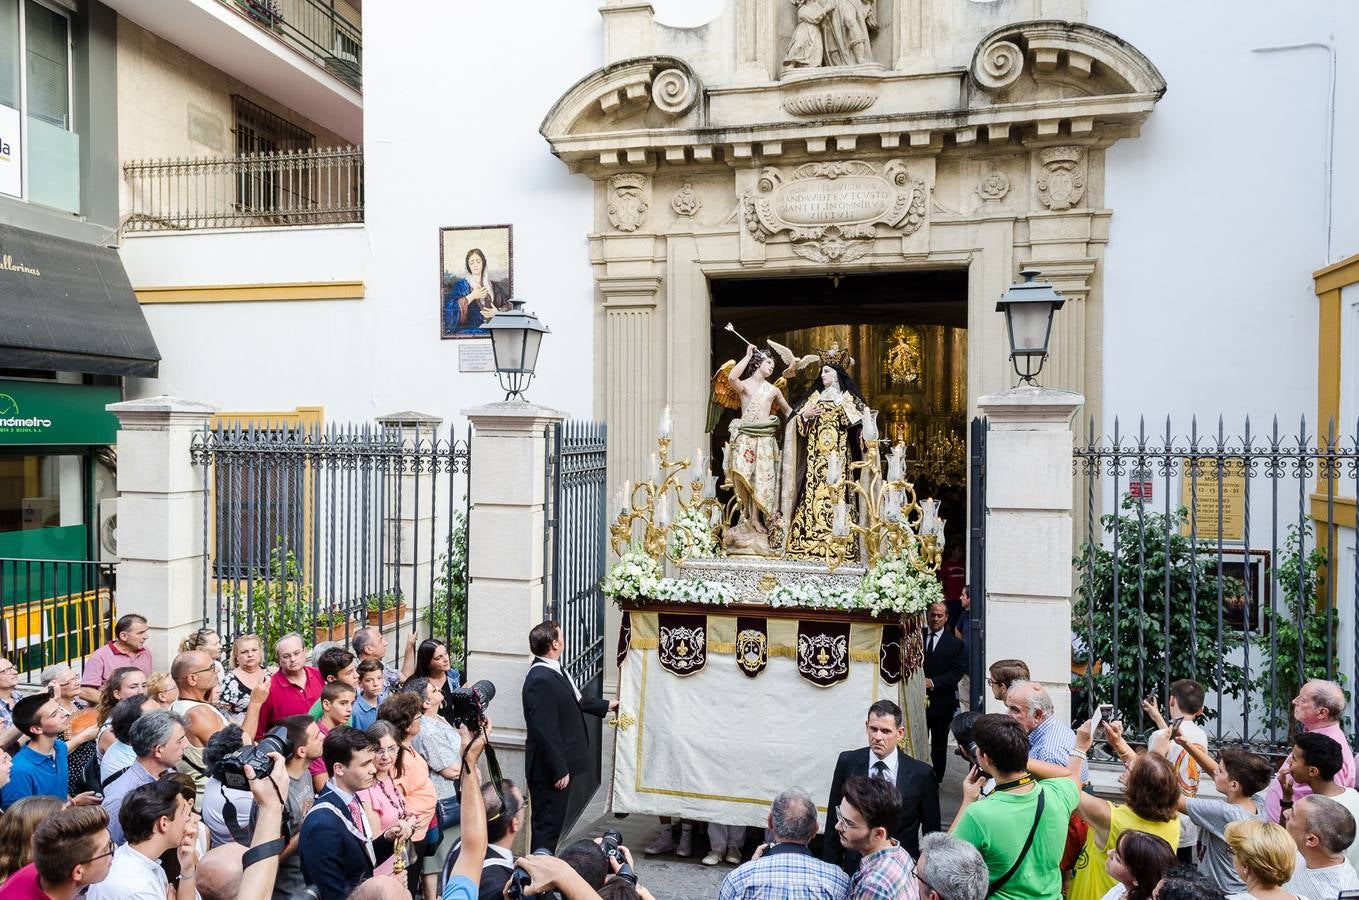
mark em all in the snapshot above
pixel 649 502
pixel 895 522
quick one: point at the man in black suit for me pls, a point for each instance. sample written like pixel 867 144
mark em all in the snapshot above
pixel 337 843
pixel 558 745
pixel 945 665
pixel 883 759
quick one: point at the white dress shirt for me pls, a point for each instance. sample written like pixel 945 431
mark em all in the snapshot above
pixel 132 876
pixel 556 665
pixel 932 640
pixel 891 761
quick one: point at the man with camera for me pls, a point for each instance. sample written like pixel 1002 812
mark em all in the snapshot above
pixel 558 745
pixel 302 738
pixel 882 759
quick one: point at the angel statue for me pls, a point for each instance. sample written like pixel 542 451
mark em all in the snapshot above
pixel 752 458
pixel 828 419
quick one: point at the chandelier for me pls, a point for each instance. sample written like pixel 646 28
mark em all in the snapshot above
pixel 944 460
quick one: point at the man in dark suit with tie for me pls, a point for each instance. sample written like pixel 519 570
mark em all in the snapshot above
pixel 945 666
pixel 337 843
pixel 882 758
pixel 558 745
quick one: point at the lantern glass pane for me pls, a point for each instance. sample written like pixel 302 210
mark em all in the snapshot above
pixel 508 346
pixel 1029 326
pixel 532 341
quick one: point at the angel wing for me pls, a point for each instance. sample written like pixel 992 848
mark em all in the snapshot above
pixel 784 354
pixel 723 392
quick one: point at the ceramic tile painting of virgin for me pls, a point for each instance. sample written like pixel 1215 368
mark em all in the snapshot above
pixel 475 278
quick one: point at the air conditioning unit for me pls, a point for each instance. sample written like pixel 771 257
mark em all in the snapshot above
pixel 108 530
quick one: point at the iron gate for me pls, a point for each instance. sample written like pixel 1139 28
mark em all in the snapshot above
pixel 976 556
pixel 322 531
pixel 574 559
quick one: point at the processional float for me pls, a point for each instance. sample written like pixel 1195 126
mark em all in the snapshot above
pixel 757 630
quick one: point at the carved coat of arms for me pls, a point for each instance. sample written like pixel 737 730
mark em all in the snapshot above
pixel 831 210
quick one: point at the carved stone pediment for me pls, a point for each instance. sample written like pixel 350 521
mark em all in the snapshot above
pixel 832 210
pixel 1031 60
pixel 650 91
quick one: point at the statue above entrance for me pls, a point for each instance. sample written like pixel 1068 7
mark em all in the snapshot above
pixel 832 33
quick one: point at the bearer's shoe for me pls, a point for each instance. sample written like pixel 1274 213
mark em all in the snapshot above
pixel 686 843
pixel 734 856
pixel 712 859
pixel 664 842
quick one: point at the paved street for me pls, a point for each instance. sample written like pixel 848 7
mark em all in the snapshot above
pixel 672 878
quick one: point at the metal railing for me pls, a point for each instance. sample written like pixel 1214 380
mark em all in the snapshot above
pixel 323 531
pixel 1221 557
pixel 54 611
pixel 575 538
pixel 313 28
pixel 304 187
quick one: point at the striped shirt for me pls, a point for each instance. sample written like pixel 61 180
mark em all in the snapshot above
pixel 786 872
pixel 885 875
pixel 1052 742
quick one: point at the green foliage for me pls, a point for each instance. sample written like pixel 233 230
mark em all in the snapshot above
pixel 273 606
pixel 446 617
pixel 1190 644
pixel 381 602
pixel 1301 620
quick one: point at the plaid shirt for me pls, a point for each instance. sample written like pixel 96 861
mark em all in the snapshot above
pixel 786 872
pixel 885 875
pixel 1052 742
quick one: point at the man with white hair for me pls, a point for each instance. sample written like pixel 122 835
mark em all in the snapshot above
pixel 786 869
pixel 950 869
pixel 1050 740
pixel 1319 707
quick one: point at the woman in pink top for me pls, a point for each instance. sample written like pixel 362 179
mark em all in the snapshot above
pixel 403 711
pixel 384 801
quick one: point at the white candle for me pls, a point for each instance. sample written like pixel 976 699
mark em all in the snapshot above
pixel 653 472
pixel 664 427
pixel 870 421
pixel 700 464
pixel 709 486
pixel 663 511
pixel 840 523
pixel 929 512
pixel 627 494
pixel 834 469
pixel 726 457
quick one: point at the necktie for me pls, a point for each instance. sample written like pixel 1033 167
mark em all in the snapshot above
pixel 880 770
pixel 934 638
pixel 356 813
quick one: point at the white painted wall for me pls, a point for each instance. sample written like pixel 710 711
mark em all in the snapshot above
pixel 451 125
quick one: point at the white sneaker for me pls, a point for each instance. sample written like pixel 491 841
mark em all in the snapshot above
pixel 712 859
pixel 733 856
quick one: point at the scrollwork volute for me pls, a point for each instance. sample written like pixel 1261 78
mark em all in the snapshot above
pixel 997 65
pixel 674 92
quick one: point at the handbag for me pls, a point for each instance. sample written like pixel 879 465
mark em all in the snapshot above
pixel 1024 851
pixel 447 814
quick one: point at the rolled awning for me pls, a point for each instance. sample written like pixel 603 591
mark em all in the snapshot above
pixel 68 306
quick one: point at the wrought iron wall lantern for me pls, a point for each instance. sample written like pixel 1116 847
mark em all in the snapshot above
pixel 516 335
pixel 1028 308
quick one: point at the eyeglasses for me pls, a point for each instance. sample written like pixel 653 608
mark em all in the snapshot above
pixel 8 669
pixel 108 851
pixel 915 872
pixel 201 671
pixel 388 751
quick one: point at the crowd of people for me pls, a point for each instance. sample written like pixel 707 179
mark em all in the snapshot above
pixel 356 778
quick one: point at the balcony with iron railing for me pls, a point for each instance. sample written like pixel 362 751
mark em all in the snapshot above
pixel 257 190
pixel 315 29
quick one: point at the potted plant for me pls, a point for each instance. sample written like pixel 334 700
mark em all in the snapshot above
pixel 265 12
pixel 334 624
pixel 385 609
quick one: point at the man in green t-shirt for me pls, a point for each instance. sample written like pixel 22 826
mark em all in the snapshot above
pixel 999 825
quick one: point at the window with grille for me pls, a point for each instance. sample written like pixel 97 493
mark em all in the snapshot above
pixel 266 186
pixel 261 512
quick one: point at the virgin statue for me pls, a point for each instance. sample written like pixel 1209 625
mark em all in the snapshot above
pixel 826 420
pixel 753 453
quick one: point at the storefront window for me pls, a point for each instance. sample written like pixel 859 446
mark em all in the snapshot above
pixel 41 491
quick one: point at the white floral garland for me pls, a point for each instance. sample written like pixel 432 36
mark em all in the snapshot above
pixel 690 535
pixel 892 585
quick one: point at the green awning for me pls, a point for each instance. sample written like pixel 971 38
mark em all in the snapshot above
pixel 68 306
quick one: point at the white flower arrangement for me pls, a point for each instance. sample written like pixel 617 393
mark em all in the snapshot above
pixel 692 590
pixel 690 535
pixel 895 585
pixel 812 596
pixel 634 575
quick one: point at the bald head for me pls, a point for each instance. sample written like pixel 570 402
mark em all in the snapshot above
pixel 219 872
pixel 381 887
pixel 1029 704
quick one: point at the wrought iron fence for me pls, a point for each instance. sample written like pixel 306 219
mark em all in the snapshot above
pixel 321 531
pixel 314 28
pixel 291 187
pixel 574 545
pixel 1226 557
pixel 54 611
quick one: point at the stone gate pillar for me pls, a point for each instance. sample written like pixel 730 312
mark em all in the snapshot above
pixel 1029 534
pixel 161 544
pixel 505 561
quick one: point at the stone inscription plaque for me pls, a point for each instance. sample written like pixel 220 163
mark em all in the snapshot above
pixel 842 201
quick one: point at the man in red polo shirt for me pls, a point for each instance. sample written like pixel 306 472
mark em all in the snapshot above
pixel 128 648
pixel 293 688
